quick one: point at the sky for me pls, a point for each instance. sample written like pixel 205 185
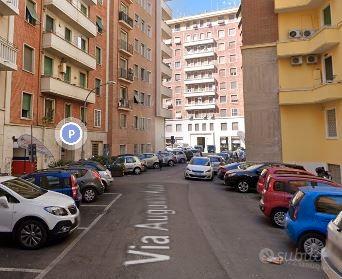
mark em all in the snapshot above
pixel 191 7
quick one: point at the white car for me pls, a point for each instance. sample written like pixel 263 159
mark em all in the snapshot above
pixel 200 168
pixel 331 255
pixel 32 214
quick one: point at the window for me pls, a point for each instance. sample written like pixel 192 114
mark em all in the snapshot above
pixel 223 99
pixel 233 85
pixel 49 24
pixel 232 58
pixel 178 89
pixel 234 98
pixel 177 77
pixel 83 80
pixel 136 122
pixel 211 126
pixel 235 112
pixel 223 86
pixel 142 98
pixel 196 127
pixel 222 59
pixel 222 72
pixel 209 35
pixel 232 44
pixel 329 204
pixel 221 33
pixel 223 126
pixel 231 32
pixel 48 66
pixel 136 97
pixel 67 74
pixel 67 34
pixel 233 71
pixel 177 52
pixel 50 182
pixel 99 24
pixel 169 128
pixel 30 13
pixel 97 118
pixel 136 149
pixel 178 102
pixel 84 9
pixel 49 107
pixel 327 15
pixel 95 147
pixel 331 125
pixel 177 27
pixel 122 149
pixel 189 127
pixel 28 59
pixel 328 67
pixel 204 126
pixel 148 101
pixel 98 56
pixel 221 46
pixel 148 31
pixel 67 111
pixel 178 127
pixel 97 87
pixel 178 114
pixel 26 106
pixel 83 114
pixel 177 64
pixel 123 121
pixel 223 112
pixel 82 44
pixel 235 126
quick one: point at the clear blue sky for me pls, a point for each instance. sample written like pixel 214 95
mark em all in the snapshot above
pixel 191 7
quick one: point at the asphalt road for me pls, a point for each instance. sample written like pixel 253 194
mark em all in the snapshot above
pixel 158 225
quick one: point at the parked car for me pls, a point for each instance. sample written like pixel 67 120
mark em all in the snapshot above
pixel 132 164
pixel 56 180
pixel 246 180
pixel 216 161
pixel 279 190
pixel 310 212
pixel 286 169
pixel 169 159
pixel 211 148
pixel 33 215
pixel 89 181
pixel 200 168
pixel 180 156
pixel 237 165
pixel 105 174
pixel 149 160
pixel 331 255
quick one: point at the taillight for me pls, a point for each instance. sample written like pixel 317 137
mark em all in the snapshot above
pixel 96 174
pixel 295 213
pixel 74 187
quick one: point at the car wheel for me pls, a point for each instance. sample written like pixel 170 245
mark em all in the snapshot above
pixel 171 163
pixel 156 165
pixel 137 171
pixel 278 217
pixel 89 195
pixel 182 161
pixel 31 234
pixel 243 186
pixel 312 244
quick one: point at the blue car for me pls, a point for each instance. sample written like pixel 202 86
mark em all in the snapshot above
pixel 60 181
pixel 311 210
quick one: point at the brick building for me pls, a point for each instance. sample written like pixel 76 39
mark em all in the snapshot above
pixel 207 99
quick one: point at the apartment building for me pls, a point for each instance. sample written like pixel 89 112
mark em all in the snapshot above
pixel 260 80
pixel 309 52
pixel 207 91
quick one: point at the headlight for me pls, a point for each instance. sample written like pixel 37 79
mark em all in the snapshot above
pixel 208 171
pixel 188 169
pixel 55 210
pixel 231 174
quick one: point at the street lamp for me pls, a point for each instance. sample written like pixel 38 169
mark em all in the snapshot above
pixel 85 107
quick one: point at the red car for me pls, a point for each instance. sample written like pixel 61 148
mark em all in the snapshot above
pixel 278 170
pixel 279 191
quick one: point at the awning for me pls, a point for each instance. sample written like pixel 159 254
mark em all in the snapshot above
pixel 32 11
pixel 25 140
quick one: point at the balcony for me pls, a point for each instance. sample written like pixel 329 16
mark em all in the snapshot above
pixel 125 104
pixel 165 71
pixel 283 6
pixel 200 42
pixel 166 31
pixel 324 40
pixel 166 51
pixel 166 91
pixel 125 47
pixel 166 11
pixel 205 93
pixel 72 15
pixel 200 68
pixel 320 94
pixel 200 55
pixel 165 113
pixel 126 75
pixel 8 8
pixel 126 20
pixel 8 56
pixel 199 80
pixel 90 2
pixel 202 106
pixel 63 89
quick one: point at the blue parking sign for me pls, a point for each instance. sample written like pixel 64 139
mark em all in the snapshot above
pixel 71 133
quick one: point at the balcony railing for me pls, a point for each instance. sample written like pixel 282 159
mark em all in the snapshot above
pixel 204 93
pixel 8 56
pixel 192 55
pixel 202 67
pixel 8 8
pixel 200 80
pixel 126 47
pixel 200 106
pixel 123 17
pixel 126 75
pixel 125 104
pixel 199 42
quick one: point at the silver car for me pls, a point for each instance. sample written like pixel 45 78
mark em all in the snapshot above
pixel 169 158
pixel 150 160
pixel 331 255
pixel 132 164
pixel 180 156
pixel 216 161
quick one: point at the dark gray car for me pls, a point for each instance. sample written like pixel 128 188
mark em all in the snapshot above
pixel 89 181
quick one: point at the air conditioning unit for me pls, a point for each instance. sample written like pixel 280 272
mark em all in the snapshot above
pixel 62 68
pixel 296 60
pixel 312 59
pixel 307 33
pixel 295 34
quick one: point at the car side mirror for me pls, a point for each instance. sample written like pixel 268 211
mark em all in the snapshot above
pixel 4 202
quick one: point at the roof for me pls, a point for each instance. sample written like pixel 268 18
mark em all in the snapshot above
pixel 319 190
pixel 5 178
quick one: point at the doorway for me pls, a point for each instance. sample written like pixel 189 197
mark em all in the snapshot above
pixel 201 142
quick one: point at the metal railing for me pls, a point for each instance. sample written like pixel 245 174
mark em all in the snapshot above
pixel 8 51
pixel 124 45
pixel 126 74
pixel 126 18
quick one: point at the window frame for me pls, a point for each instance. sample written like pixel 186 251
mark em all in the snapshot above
pixel 33 59
pixel 326 123
pixel 31 107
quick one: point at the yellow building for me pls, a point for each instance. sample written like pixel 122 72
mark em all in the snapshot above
pixel 310 82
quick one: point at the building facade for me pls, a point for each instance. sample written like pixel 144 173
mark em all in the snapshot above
pixel 260 80
pixel 207 91
pixel 309 52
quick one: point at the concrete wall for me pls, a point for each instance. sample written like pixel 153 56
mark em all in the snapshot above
pixel 263 139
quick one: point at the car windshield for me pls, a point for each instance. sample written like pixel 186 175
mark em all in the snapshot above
pixel 199 161
pixel 24 188
pixel 100 167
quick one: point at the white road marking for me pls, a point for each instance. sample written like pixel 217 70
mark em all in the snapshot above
pixel 94 205
pixel 82 228
pixel 110 193
pixel 76 240
pixel 26 270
